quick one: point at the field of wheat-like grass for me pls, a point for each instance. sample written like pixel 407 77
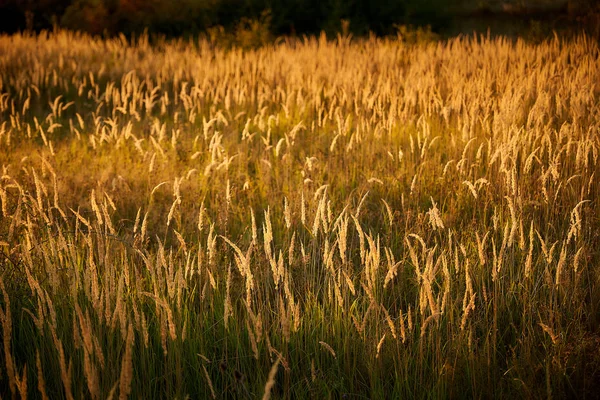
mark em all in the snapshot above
pixel 354 217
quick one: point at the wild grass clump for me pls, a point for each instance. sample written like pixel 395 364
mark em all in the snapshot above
pixel 370 218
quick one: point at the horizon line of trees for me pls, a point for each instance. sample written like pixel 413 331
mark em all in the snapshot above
pixel 273 17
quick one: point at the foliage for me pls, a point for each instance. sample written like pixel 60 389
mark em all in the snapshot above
pixel 191 18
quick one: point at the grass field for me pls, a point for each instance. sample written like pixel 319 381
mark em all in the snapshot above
pixel 357 218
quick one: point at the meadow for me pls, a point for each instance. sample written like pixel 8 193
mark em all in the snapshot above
pixel 313 218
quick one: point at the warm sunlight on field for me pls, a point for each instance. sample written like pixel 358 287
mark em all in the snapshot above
pixel 361 217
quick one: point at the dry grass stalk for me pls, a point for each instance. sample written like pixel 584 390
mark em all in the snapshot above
pixel 40 377
pixel 209 382
pixel 328 348
pixel 6 320
pixel 126 376
pixel 380 345
pixel 271 380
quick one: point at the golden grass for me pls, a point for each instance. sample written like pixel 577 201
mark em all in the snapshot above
pixel 379 219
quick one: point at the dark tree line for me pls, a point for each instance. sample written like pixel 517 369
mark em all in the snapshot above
pixel 278 17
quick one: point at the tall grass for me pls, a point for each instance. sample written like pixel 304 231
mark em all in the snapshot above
pixel 361 218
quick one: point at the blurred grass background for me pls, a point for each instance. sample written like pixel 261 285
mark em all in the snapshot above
pixel 259 21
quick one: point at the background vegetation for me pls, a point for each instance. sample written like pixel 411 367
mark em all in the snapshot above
pixel 291 17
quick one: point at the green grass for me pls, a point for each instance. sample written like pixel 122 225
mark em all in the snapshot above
pixel 384 219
